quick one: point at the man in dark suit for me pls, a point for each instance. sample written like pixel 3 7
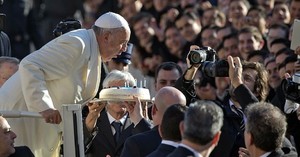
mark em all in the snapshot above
pixel 103 136
pixel 200 130
pixel 22 151
pixel 265 130
pixel 144 143
pixel 7 137
pixel 248 85
pixel 169 130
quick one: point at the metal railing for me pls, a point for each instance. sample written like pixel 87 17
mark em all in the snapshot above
pixel 72 133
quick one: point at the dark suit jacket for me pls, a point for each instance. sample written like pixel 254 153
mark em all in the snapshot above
pixel 140 145
pixel 162 151
pixel 232 136
pixel 277 153
pixel 103 144
pixel 181 152
pixel 22 151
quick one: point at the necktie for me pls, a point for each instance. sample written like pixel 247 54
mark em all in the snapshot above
pixel 241 116
pixel 117 126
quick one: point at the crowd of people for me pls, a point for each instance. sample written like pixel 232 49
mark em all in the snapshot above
pixel 242 114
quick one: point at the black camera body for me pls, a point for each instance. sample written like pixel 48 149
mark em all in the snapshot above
pixel 65 26
pixel 200 55
pixel 291 88
pixel 206 56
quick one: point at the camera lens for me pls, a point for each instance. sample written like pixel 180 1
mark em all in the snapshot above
pixel 197 56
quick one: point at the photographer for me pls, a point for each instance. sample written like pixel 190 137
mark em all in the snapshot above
pixel 185 82
pixel 248 85
pixel 290 88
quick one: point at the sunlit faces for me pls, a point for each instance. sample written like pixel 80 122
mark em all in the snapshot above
pixel 159 5
pixel 143 31
pixel 274 78
pixel 237 10
pixel 281 13
pixel 255 19
pixel 295 10
pixel 7 138
pixel 189 28
pixel 275 33
pixel 276 47
pixel 267 4
pixel 249 78
pixel 166 78
pixel 151 63
pixel 231 47
pixel 290 68
pixel 115 43
pixel 130 8
pixel 209 38
pixel 174 41
pixel 221 33
pixel 247 43
pixel 281 58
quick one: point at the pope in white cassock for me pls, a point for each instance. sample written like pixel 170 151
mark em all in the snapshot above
pixel 64 71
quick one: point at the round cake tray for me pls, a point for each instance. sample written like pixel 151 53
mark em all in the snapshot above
pixel 116 99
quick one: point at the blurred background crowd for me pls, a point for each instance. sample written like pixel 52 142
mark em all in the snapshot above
pixel 163 31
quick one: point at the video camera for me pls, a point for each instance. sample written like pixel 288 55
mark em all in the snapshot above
pixel 210 67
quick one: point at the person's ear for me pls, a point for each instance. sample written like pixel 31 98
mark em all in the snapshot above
pixel 216 138
pixel 181 128
pixel 154 109
pixel 250 139
pixel 261 44
pixel 159 130
pixel 106 36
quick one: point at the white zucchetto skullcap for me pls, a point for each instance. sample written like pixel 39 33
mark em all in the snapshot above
pixel 111 20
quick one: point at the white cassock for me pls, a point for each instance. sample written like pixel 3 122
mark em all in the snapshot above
pixel 64 71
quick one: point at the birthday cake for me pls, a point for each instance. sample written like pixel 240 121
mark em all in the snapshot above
pixel 124 94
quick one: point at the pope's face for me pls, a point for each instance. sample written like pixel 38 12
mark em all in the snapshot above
pixel 115 44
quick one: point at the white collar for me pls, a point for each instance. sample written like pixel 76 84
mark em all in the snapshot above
pixel 196 154
pixel 266 154
pixel 112 119
pixel 171 143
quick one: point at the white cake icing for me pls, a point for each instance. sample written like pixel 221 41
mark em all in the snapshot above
pixel 124 94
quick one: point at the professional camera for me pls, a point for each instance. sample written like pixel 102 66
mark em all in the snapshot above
pixel 206 56
pixel 200 55
pixel 292 94
pixel 291 88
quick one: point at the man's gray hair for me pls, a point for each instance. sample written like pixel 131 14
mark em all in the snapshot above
pixel 117 75
pixel 202 121
pixel 6 59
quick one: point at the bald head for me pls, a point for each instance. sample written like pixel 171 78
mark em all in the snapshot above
pixel 164 98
